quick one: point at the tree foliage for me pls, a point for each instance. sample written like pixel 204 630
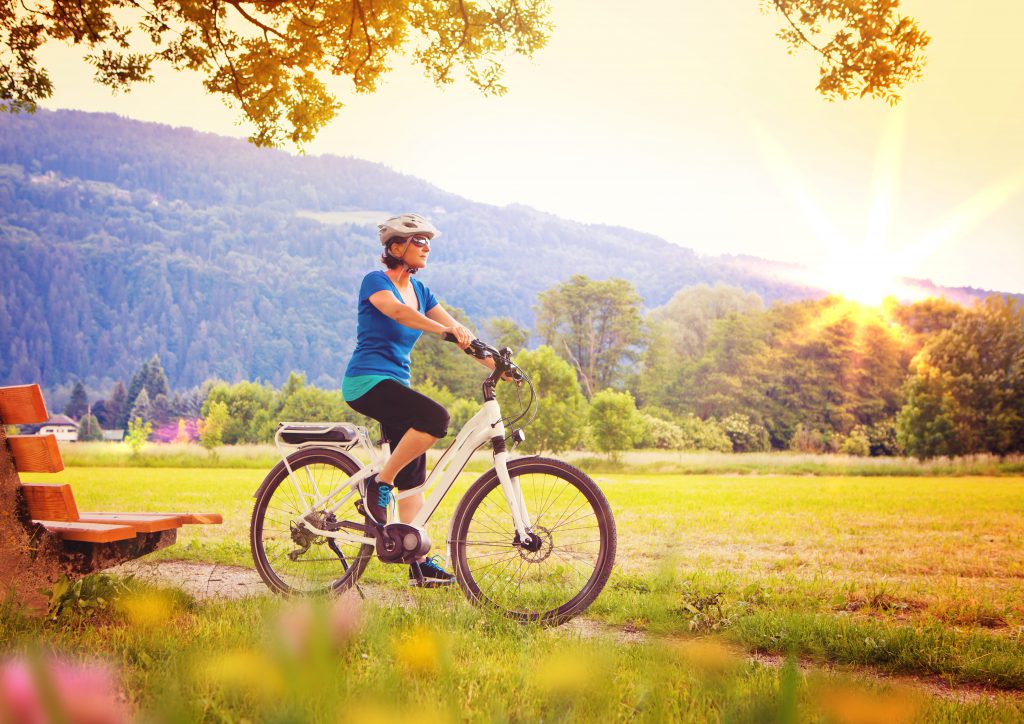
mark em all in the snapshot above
pixel 966 394
pixel 271 60
pixel 78 405
pixel 595 325
pixel 211 427
pixel 562 410
pixel 866 48
pixel 137 435
pixel 89 429
pixel 615 424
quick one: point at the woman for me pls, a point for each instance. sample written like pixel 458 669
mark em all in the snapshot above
pixel 394 310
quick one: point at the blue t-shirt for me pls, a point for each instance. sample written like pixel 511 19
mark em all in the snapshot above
pixel 382 344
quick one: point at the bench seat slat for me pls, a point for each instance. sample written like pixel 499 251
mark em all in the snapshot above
pixel 88 532
pixel 197 518
pixel 22 405
pixel 140 521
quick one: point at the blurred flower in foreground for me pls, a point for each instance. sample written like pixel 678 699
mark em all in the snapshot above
pixel 245 673
pixel 850 704
pixel 295 626
pixel 45 690
pixel 345 618
pixel 419 651
pixel 567 674
pixel 304 625
pixel 709 657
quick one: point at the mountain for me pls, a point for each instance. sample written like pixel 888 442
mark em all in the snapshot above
pixel 121 239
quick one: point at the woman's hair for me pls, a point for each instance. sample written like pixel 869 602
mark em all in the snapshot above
pixel 391 262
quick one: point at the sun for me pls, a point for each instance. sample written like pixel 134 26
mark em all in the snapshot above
pixel 873 268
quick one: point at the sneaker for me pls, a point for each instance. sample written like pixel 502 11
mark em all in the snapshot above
pixel 433 576
pixel 376 499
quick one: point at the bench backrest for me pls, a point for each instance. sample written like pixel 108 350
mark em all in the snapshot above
pixel 23 405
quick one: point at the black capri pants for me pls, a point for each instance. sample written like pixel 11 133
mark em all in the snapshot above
pixel 398 408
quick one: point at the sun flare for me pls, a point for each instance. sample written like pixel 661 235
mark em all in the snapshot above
pixel 870 270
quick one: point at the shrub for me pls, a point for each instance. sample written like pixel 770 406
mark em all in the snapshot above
pixel 661 434
pixel 806 440
pixel 744 434
pixel 701 434
pixel 883 439
pixel 856 443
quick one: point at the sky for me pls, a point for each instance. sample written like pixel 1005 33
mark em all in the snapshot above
pixel 691 121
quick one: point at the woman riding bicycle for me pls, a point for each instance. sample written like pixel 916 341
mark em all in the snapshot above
pixel 394 310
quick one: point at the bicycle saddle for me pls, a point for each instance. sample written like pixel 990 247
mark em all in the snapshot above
pixel 296 433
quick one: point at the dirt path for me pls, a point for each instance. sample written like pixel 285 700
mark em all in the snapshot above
pixel 205 581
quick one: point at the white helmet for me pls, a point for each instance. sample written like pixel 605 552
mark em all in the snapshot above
pixel 405 225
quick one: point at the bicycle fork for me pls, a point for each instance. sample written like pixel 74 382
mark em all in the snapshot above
pixel 511 488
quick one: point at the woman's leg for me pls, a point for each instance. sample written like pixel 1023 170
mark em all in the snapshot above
pixel 413 444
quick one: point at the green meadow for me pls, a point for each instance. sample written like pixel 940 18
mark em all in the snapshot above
pixel 735 597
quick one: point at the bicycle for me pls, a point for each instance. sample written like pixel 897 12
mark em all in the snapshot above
pixel 532 537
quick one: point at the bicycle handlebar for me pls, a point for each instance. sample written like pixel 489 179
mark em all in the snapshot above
pixel 482 350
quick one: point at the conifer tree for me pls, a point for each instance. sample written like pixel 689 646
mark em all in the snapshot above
pixel 79 402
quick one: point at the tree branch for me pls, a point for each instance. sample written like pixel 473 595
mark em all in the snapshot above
pixel 237 5
pixel 798 31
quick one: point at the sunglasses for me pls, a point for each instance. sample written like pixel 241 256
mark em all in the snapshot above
pixel 419 241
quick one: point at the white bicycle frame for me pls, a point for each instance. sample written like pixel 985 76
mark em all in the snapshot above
pixel 485 425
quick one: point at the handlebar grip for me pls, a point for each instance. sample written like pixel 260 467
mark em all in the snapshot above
pixel 449 337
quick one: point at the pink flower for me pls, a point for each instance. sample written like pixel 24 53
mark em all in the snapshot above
pixel 81 693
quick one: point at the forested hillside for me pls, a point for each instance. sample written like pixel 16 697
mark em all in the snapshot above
pixel 120 240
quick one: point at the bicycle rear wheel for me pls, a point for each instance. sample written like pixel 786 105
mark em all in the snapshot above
pixel 289 558
pixel 573 550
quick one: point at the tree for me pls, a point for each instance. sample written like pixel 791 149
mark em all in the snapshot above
pixel 615 424
pixel 113 407
pixel 678 332
pixel 78 405
pixel 311 404
pixel 561 407
pixel 141 409
pixel 966 394
pixel 89 429
pixel 151 378
pixel 866 48
pixel 593 324
pixel 504 332
pixel 137 435
pixel 270 59
pixel 248 405
pixel 211 427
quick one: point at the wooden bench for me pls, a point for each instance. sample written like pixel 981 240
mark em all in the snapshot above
pixel 88 541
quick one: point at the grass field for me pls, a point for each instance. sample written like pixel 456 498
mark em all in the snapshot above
pixel 262 457
pixel 863 580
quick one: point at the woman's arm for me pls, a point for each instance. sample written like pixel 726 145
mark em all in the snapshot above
pixel 440 314
pixel 390 307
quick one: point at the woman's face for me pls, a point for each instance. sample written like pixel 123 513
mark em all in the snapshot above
pixel 413 251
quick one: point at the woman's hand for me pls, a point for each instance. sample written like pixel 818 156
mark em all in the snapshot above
pixel 462 335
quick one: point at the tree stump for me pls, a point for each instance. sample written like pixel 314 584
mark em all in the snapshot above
pixel 30 557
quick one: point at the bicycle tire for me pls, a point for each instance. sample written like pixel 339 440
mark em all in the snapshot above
pixel 486 577
pixel 282 573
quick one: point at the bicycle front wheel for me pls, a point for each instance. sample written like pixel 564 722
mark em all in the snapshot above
pixel 572 550
pixel 289 558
